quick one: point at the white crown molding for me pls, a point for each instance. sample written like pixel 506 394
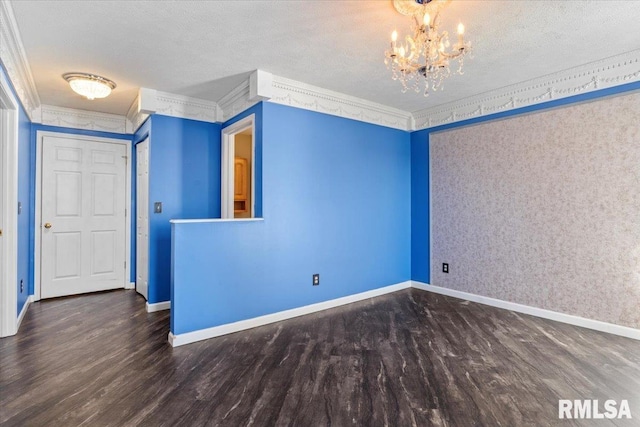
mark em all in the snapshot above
pixel 168 104
pixel 80 119
pixel 15 61
pixel 135 118
pixel 236 101
pixel 302 95
pixel 609 72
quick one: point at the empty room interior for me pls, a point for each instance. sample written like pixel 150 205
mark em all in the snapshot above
pixel 305 213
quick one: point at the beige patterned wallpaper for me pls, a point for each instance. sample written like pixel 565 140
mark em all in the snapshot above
pixel 543 209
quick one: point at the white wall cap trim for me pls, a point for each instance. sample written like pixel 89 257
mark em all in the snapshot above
pixel 15 60
pixel 533 311
pixel 206 220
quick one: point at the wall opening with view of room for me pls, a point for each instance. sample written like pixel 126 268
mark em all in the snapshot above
pixel 243 165
pixel 238 169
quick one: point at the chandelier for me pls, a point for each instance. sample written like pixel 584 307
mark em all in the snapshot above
pixel 90 86
pixel 422 60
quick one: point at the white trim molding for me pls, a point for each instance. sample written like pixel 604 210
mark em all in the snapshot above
pixel 37 224
pixel 301 95
pixel 135 118
pixel 158 306
pixel 236 101
pixel 229 328
pixel 605 73
pixel 9 205
pixel 80 119
pixel 130 285
pixel 533 311
pixel 23 312
pixel 151 101
pixel 228 169
pixel 15 60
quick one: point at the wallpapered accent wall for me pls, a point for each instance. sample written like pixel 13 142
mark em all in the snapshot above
pixel 543 209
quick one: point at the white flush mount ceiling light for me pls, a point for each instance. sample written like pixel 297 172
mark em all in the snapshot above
pixel 422 60
pixel 90 86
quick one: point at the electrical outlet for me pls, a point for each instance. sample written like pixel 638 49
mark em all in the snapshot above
pixel 21 286
pixel 445 267
pixel 316 279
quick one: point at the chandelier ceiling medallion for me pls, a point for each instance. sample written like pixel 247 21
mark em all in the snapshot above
pixel 422 60
pixel 90 86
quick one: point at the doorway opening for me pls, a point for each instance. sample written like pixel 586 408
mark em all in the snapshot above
pixel 238 169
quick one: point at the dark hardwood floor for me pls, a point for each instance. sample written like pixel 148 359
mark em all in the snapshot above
pixel 408 358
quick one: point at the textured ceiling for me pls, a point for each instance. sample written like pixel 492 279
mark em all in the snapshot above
pixel 204 49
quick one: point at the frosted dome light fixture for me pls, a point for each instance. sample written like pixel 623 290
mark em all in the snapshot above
pixel 88 85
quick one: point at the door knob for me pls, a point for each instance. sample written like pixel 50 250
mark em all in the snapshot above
pixel 47 225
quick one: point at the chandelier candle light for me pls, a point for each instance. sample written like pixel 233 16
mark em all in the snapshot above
pixel 425 56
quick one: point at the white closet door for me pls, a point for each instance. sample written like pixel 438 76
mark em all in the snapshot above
pixel 83 246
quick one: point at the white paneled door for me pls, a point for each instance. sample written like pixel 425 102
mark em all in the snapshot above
pixel 83 247
pixel 142 218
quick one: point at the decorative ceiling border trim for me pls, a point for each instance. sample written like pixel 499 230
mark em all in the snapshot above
pixel 80 119
pixel 236 101
pixel 301 95
pixel 605 73
pixel 151 101
pixel 15 60
pixel 135 118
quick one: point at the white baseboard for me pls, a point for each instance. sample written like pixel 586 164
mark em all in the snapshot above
pixel 534 311
pixel 216 331
pixel 130 285
pixel 23 312
pixel 158 306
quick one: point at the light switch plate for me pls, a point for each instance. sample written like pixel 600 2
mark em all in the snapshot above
pixel 157 207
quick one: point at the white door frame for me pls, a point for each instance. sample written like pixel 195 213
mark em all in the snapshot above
pixel 227 163
pixel 9 194
pixel 37 226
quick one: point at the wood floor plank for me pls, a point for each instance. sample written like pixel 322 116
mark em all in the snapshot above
pixel 403 359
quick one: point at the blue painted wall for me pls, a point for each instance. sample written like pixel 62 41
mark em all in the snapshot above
pixel 420 248
pixel 24 184
pixel 336 201
pixel 185 176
